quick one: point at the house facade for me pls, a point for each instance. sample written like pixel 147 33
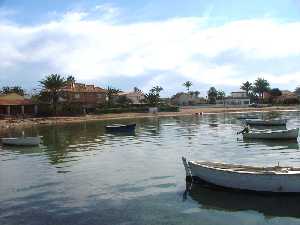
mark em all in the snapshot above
pixel 88 96
pixel 237 98
pixel 239 94
pixel 16 105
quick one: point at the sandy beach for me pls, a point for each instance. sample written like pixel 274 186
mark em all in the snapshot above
pixel 11 123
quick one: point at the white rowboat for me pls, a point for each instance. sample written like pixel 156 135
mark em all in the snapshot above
pixel 247 178
pixel 272 134
pixel 260 122
pixel 22 141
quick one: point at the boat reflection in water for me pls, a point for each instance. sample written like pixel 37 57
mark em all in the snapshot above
pixel 274 144
pixel 209 196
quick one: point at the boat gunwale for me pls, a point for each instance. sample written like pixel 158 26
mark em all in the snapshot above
pixel 273 131
pixel 242 169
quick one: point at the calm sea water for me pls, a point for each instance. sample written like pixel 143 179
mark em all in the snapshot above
pixel 82 175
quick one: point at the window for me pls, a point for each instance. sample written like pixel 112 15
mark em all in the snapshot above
pixel 77 96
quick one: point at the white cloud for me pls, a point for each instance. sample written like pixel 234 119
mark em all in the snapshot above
pixel 183 47
pixel 107 11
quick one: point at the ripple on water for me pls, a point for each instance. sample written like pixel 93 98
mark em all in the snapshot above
pixel 81 175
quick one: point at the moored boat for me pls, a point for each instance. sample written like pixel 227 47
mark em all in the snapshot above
pixel 272 134
pixel 245 117
pixel 120 128
pixel 22 141
pixel 275 179
pixel 260 122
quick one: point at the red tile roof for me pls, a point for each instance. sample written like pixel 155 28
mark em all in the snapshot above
pixel 16 102
pixel 77 87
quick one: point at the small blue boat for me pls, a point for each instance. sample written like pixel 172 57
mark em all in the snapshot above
pixel 121 128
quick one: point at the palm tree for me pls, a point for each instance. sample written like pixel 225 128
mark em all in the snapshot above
pixel 187 84
pixel 110 93
pixel 247 86
pixel 212 95
pixel 16 89
pixel 220 94
pixel 52 86
pixel 156 89
pixel 136 89
pixel 71 79
pixel 153 96
pixel 260 86
pixel 196 93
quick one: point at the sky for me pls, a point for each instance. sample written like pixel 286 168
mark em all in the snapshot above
pixel 126 43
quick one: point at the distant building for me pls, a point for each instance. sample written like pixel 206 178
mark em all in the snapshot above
pixel 237 98
pixel 287 97
pixel 239 94
pixel 187 99
pixel 14 105
pixel 136 97
pixel 88 96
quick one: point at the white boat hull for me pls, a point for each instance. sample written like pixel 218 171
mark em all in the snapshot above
pixel 259 122
pixel 272 134
pixel 231 177
pixel 22 141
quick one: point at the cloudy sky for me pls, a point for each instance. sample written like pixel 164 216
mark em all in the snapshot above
pixel 125 43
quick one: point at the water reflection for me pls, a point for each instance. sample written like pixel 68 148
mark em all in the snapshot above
pixel 80 168
pixel 272 144
pixel 23 150
pixel 269 205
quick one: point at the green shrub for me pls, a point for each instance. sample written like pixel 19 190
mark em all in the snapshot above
pixel 121 110
pixel 135 108
pixel 70 109
pixel 168 108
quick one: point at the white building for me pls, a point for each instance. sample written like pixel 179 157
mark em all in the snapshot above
pixel 136 97
pixel 239 94
pixel 237 98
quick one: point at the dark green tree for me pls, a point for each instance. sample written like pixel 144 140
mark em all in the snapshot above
pixel 111 92
pixel 153 97
pixel 16 89
pixel 220 94
pixel 187 84
pixel 123 100
pixel 275 92
pixel 297 91
pixel 247 86
pixel 212 95
pixel 71 79
pixel 52 86
pixel 260 86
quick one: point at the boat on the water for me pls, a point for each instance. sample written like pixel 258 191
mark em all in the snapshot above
pixel 260 122
pixel 247 117
pixel 272 134
pixel 22 141
pixel 120 128
pixel 275 179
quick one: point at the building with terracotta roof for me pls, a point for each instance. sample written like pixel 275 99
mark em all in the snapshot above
pixel 88 96
pixel 14 104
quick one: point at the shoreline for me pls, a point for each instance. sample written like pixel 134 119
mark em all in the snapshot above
pixel 12 123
